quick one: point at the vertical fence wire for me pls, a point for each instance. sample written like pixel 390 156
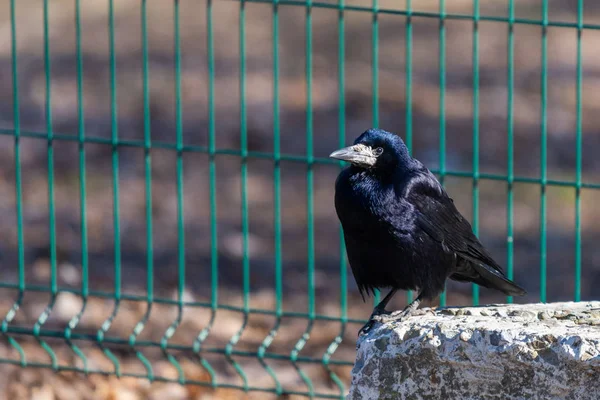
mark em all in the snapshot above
pixel 408 34
pixel 10 315
pixel 341 143
pixel 51 204
pixel 309 203
pixel 139 327
pixel 100 335
pixel 244 199
pixel 212 182
pixel 375 64
pixel 543 151
pixel 278 282
pixel 510 83
pixel 375 86
pixel 442 104
pixel 180 196
pixel 475 192
pixel 82 190
pixel 578 154
pixel 341 117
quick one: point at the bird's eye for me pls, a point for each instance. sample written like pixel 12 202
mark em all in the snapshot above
pixel 378 151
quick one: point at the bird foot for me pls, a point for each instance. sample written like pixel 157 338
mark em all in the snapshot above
pixel 401 315
pixel 378 315
pixel 383 316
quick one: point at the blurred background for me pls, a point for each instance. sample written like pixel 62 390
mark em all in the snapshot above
pixel 128 121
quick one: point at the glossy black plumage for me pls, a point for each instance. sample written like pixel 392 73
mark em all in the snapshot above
pixel 402 230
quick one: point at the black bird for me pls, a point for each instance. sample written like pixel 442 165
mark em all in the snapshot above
pixel 402 230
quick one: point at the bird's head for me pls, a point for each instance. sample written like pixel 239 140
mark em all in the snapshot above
pixel 375 149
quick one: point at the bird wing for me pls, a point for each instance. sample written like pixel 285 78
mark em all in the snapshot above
pixel 437 215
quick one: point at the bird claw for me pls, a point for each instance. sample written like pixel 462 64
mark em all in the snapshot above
pixel 424 311
pixel 377 316
pixel 401 315
pixel 366 328
pixel 382 316
pixel 396 316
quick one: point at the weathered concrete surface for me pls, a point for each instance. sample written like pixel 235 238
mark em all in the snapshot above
pixel 533 351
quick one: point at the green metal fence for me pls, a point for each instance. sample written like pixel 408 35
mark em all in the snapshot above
pixel 15 333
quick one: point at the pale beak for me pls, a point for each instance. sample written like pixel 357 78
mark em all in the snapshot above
pixel 358 154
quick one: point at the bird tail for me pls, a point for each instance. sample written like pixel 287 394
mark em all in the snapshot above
pixel 494 280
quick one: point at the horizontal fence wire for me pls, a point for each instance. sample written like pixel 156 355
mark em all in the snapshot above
pixel 426 14
pixel 199 346
pixel 262 155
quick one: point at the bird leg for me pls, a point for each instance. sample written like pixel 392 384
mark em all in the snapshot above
pixel 381 315
pixel 377 311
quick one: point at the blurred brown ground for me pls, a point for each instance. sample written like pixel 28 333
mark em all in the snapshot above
pixel 17 383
